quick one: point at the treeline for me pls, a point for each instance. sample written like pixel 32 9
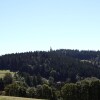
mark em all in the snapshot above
pixel 16 86
pixel 87 89
pixel 61 65
pixel 83 54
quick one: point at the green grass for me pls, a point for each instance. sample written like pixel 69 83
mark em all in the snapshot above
pixel 16 98
pixel 3 72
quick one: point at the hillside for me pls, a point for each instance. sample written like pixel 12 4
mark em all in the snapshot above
pixel 51 75
pixel 60 64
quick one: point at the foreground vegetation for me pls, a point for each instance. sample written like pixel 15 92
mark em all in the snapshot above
pixel 87 89
pixel 54 75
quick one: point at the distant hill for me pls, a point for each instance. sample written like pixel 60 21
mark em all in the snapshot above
pixel 62 65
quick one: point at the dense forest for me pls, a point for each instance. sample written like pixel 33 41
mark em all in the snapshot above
pixel 55 74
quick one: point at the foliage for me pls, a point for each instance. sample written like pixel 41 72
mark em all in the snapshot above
pixel 88 89
pixel 31 92
pixel 54 75
pixel 60 64
pixel 16 89
pixel 7 79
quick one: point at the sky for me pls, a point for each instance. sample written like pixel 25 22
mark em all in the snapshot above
pixel 30 25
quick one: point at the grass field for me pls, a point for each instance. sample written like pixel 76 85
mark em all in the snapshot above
pixel 3 72
pixel 16 98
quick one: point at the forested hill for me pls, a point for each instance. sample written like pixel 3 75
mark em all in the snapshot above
pixel 61 65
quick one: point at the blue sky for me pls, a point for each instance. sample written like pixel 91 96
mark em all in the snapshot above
pixel 29 25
